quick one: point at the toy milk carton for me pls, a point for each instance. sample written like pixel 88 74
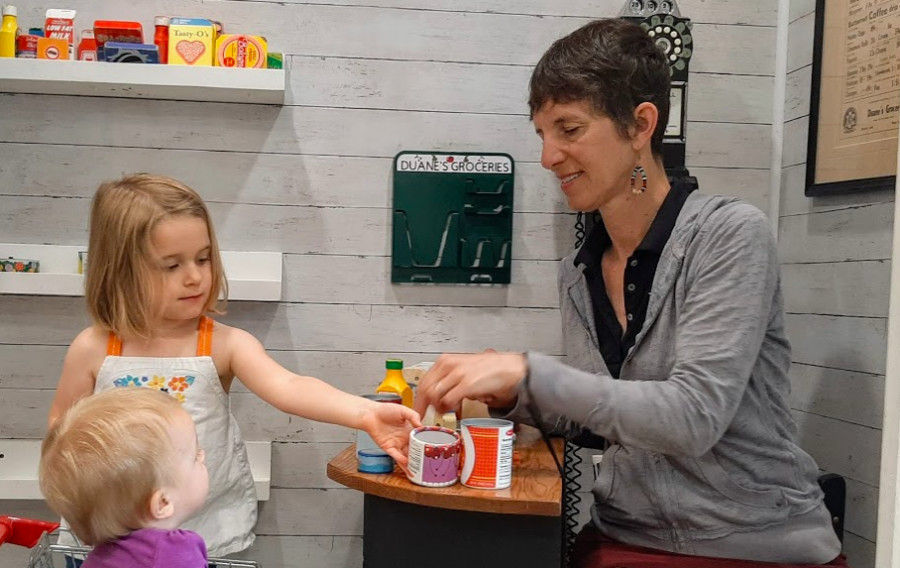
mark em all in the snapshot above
pixel 192 41
pixel 60 24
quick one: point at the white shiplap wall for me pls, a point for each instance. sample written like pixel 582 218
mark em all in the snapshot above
pixel 368 78
pixel 836 275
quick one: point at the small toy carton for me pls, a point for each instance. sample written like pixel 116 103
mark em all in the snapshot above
pixel 192 41
pixel 87 47
pixel 115 52
pixel 275 61
pixel 60 24
pixel 52 48
pixel 115 31
pixel 241 51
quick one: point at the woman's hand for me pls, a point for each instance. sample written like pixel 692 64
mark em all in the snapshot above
pixel 389 426
pixel 489 377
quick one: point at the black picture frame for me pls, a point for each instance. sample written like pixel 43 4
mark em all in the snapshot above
pixel 814 189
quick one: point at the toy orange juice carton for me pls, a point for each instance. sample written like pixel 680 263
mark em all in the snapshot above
pixel 241 51
pixel 192 41
pixel 52 48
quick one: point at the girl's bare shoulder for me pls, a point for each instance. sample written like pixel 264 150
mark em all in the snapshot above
pixel 91 340
pixel 89 349
pixel 229 337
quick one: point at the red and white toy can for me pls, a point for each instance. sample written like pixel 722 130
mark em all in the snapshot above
pixel 433 456
pixel 487 453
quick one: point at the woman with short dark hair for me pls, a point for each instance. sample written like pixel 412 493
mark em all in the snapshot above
pixel 673 324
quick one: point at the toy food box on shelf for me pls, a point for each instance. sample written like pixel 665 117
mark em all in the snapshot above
pixel 58 25
pixel 191 41
pixel 112 31
pixel 241 51
pixel 52 48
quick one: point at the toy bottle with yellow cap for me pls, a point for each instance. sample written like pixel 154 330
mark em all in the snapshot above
pixel 395 383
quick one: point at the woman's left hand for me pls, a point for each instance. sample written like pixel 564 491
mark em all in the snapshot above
pixel 489 377
pixel 389 426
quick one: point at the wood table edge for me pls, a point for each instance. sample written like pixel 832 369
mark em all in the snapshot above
pixel 371 484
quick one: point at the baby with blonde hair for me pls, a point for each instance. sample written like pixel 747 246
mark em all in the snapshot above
pixel 125 470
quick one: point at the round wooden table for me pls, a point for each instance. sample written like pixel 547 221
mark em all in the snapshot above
pixel 407 525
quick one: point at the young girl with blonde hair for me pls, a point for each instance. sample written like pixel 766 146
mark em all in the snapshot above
pixel 155 273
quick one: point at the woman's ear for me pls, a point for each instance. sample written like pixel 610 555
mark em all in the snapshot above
pixel 161 507
pixel 646 117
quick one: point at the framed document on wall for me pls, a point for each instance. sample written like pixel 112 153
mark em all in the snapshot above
pixel 855 103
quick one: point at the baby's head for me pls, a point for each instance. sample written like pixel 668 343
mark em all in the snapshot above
pixel 153 254
pixel 121 460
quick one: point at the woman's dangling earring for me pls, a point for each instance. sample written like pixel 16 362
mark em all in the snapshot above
pixel 638 171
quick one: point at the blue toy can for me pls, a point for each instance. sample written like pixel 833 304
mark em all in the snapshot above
pixel 374 461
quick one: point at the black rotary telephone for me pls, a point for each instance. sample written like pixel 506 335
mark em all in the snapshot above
pixel 662 20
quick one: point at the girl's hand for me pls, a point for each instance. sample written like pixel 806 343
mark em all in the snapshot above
pixel 489 377
pixel 389 426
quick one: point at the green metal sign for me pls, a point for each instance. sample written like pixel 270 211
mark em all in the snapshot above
pixel 452 218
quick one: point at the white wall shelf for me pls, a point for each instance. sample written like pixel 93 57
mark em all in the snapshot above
pixel 130 80
pixel 21 458
pixel 253 276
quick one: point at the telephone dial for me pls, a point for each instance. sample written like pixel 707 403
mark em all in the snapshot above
pixel 662 20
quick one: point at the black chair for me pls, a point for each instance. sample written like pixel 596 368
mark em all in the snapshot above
pixel 835 489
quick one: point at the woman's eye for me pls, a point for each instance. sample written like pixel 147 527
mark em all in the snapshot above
pixel 570 131
pixel 171 267
pixel 203 260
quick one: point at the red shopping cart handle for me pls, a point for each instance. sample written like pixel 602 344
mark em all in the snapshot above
pixel 23 532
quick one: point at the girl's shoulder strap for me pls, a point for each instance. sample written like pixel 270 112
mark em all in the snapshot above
pixel 204 340
pixel 114 345
pixel 205 337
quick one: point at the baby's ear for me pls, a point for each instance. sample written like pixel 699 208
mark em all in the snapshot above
pixel 161 507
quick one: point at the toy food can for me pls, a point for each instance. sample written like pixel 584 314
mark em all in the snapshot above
pixel 82 261
pixel 487 453
pixel 374 461
pixel 433 456
pixel 27 46
pixel 363 440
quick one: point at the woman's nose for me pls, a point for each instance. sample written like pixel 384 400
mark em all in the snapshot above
pixel 551 154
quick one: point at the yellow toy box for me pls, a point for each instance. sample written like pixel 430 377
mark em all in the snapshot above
pixel 192 41
pixel 241 51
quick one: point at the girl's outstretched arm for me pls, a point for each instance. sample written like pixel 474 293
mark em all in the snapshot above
pixel 308 397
